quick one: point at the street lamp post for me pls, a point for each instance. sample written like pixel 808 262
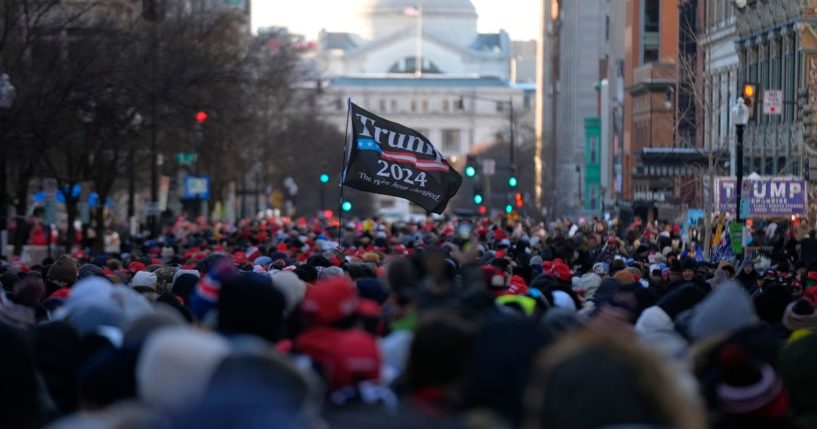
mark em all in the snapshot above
pixel 741 114
pixel 7 95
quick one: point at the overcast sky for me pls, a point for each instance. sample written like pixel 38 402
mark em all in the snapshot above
pixel 307 17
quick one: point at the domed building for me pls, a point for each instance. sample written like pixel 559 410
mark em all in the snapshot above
pixel 457 95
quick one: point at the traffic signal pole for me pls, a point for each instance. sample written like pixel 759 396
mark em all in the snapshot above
pixel 739 128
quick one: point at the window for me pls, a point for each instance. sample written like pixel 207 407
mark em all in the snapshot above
pixel 446 105
pixel 413 105
pixel 451 141
pixel 382 105
pixel 339 104
pixel 408 65
pixel 424 105
pixel 607 28
pixel 500 106
pixel 393 105
pixel 594 195
pixel 650 34
pixel 594 150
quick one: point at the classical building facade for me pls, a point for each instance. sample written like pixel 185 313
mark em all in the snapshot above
pixel 457 94
pixel 777 48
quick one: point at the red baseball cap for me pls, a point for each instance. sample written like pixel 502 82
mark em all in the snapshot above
pixel 135 267
pixel 330 300
pixel 346 356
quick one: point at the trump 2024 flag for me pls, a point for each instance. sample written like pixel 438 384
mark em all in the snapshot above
pixel 387 158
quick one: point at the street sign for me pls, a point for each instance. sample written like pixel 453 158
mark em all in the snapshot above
pixel 151 208
pixel 186 158
pixel 488 167
pixel 196 187
pixel 773 102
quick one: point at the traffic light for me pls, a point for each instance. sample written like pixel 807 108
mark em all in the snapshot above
pixel 483 210
pixel 328 214
pixel 324 178
pixel 478 194
pixel 508 208
pixel 201 116
pixel 750 97
pixel 346 206
pixel 512 181
pixel 470 166
pixel 520 202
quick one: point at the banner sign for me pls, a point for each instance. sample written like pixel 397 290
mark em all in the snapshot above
pixel 387 158
pixel 766 196
pixel 196 187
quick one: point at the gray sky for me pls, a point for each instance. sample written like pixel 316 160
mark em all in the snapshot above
pixel 307 17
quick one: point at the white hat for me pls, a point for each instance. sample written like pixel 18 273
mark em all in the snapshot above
pixel 143 281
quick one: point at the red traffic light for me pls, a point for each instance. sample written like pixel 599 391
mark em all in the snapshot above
pixel 328 214
pixel 482 210
pixel 201 116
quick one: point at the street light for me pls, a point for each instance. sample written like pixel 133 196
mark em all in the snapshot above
pixel 740 114
pixel 7 95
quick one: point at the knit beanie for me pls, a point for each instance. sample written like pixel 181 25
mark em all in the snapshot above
pixel 63 270
pixel 748 387
pixel 727 309
pixel 799 374
pixel 175 366
pixel 680 300
pixel 291 287
pixel 800 314
pixel 250 304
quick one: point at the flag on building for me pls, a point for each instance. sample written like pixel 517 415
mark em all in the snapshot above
pixel 387 158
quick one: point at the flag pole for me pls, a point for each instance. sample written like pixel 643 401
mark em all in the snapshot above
pixel 346 147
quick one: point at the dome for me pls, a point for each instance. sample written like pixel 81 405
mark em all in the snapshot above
pixel 430 7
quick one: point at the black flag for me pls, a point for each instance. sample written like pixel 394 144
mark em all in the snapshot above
pixel 390 159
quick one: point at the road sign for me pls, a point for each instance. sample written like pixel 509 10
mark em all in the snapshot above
pixel 773 102
pixel 196 187
pixel 186 158
pixel 488 167
pixel 151 208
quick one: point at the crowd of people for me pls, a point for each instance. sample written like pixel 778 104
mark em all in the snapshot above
pixel 454 323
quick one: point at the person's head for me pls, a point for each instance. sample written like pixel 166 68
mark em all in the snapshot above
pixel 439 351
pixel 622 383
pixel 63 272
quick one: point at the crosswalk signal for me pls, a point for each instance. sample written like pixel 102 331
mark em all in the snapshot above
pixel 750 97
pixel 520 202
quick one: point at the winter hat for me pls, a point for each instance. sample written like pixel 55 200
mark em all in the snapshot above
pixel 748 387
pixel 63 270
pixel 562 300
pixel 800 314
pixel 373 289
pixel 329 300
pixel 205 298
pixel 796 367
pixel 164 279
pixel 175 366
pixel 771 302
pixel 624 277
pixel 495 278
pixel 184 286
pixel 680 300
pixel 144 281
pixel 590 284
pixel 653 319
pixel 291 287
pixel 87 270
pixel 347 357
pixel 601 268
pixel 140 329
pixel 725 310
pixel 250 304
pixel 535 260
